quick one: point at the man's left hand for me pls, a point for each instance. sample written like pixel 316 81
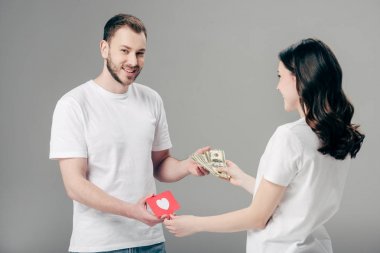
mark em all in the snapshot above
pixel 191 166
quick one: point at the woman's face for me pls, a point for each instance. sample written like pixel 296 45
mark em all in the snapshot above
pixel 287 87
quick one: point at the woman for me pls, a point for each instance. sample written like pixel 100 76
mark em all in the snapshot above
pixel 301 175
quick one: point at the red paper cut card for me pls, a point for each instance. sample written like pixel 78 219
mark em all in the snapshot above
pixel 163 203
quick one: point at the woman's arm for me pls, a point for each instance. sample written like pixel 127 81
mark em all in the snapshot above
pixel 255 216
pixel 238 177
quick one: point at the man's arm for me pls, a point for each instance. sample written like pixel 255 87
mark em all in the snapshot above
pixel 169 169
pixel 79 188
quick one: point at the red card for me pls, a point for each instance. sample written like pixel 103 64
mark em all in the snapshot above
pixel 163 203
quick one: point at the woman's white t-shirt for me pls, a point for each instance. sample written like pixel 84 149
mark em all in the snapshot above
pixel 315 184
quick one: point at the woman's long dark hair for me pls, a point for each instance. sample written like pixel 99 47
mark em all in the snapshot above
pixel 327 109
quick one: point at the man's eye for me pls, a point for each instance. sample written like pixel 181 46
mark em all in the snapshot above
pixel 124 50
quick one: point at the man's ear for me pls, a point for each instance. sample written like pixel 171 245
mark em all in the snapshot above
pixel 104 49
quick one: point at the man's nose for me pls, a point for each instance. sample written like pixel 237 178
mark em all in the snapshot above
pixel 131 60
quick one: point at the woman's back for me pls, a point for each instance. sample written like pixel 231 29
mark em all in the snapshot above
pixel 315 184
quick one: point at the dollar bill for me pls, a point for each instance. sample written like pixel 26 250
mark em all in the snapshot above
pixel 212 160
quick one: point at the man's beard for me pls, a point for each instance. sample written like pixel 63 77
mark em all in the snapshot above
pixel 113 71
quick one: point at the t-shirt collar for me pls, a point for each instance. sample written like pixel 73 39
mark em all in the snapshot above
pixel 107 93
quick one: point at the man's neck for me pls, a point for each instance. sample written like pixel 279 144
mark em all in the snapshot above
pixel 106 81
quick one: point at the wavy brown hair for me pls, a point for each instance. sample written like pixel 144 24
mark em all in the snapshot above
pixel 319 84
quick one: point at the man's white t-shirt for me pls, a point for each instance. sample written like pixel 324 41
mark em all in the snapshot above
pixel 315 184
pixel 116 133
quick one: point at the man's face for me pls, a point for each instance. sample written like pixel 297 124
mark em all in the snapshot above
pixel 125 55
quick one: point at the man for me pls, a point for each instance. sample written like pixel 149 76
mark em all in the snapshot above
pixel 110 136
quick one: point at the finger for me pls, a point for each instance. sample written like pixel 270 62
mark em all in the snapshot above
pixel 202 150
pixel 143 200
pixel 200 172
pixel 172 217
pixel 204 171
pixel 228 180
pixel 170 229
pixel 149 195
pixel 200 167
pixel 230 163
pixel 196 172
pixel 223 169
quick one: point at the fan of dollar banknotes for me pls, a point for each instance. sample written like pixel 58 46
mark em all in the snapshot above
pixel 212 160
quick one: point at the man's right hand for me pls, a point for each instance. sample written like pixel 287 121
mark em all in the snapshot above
pixel 141 213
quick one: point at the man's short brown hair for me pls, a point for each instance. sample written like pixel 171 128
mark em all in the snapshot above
pixel 120 20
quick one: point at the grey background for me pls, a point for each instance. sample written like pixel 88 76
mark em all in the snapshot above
pixel 214 63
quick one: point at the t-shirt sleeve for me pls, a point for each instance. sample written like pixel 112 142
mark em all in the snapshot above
pixel 161 136
pixel 67 131
pixel 282 157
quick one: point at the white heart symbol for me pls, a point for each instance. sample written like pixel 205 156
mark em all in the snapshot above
pixel 163 203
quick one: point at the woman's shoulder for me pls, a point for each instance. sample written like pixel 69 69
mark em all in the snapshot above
pixel 291 128
pixel 298 131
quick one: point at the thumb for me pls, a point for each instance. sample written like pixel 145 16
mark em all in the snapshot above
pixel 143 199
pixel 149 196
pixel 223 169
pixel 202 150
pixel 230 163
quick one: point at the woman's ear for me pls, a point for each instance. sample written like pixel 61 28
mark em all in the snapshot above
pixel 294 78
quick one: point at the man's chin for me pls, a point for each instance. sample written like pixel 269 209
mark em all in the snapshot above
pixel 125 82
pixel 129 81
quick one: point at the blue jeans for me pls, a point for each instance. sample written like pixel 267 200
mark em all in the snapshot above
pixel 155 248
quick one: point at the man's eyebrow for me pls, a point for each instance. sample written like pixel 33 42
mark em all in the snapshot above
pixel 129 48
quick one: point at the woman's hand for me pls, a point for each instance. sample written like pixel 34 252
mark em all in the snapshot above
pixel 183 225
pixel 238 177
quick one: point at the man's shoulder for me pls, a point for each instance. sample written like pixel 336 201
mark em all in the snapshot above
pixel 76 96
pixel 145 90
pixel 77 93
